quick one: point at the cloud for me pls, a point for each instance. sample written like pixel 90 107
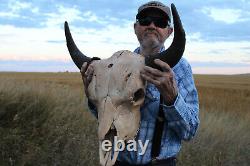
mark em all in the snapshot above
pixel 218 51
pixel 16 6
pixel 9 15
pixel 14 10
pixel 216 20
pixel 217 31
pixel 194 36
pixel 61 14
pixel 76 17
pixel 48 43
pixel 35 10
pixel 228 16
pixel 30 43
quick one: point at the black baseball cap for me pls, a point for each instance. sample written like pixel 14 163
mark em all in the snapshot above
pixel 155 5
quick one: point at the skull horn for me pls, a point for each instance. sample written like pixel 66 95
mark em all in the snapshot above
pixel 78 57
pixel 174 53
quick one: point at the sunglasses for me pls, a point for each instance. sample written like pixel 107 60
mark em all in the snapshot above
pixel 158 21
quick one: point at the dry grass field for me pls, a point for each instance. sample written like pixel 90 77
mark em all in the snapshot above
pixel 44 121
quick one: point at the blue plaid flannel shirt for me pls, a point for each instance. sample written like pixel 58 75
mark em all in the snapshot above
pixel 181 118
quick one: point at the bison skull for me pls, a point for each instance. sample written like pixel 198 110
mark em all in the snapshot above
pixel 117 89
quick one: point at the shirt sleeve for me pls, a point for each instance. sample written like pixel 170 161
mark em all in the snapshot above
pixel 183 116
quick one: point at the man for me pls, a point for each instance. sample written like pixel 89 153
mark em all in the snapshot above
pixel 176 86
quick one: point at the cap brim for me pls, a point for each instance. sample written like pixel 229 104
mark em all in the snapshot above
pixel 143 12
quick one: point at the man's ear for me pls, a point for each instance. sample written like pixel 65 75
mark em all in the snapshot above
pixel 135 28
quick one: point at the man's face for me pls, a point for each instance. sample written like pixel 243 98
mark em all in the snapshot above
pixel 151 35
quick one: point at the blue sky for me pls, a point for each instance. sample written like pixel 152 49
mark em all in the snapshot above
pixel 32 35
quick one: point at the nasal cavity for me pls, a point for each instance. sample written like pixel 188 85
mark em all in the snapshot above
pixel 110 65
pixel 139 94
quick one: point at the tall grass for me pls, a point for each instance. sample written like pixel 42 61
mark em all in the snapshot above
pixel 43 121
pixel 222 139
pixel 44 124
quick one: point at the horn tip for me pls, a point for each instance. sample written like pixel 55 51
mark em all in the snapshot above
pixel 65 23
pixel 173 6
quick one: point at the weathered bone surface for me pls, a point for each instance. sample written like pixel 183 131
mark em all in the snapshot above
pixel 118 91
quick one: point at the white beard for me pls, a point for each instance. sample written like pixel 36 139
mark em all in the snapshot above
pixel 150 41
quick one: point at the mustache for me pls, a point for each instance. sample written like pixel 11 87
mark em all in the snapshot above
pixel 151 30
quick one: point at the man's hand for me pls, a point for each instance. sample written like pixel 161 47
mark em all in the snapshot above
pixel 164 81
pixel 87 74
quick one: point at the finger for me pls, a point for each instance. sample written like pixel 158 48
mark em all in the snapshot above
pixel 153 71
pixel 150 79
pixel 159 79
pixel 152 76
pixel 84 67
pixel 87 73
pixel 83 70
pixel 89 78
pixel 90 70
pixel 165 67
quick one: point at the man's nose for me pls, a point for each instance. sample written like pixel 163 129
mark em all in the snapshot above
pixel 152 25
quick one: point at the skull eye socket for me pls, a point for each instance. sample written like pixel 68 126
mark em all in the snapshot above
pixel 138 95
pixel 110 65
